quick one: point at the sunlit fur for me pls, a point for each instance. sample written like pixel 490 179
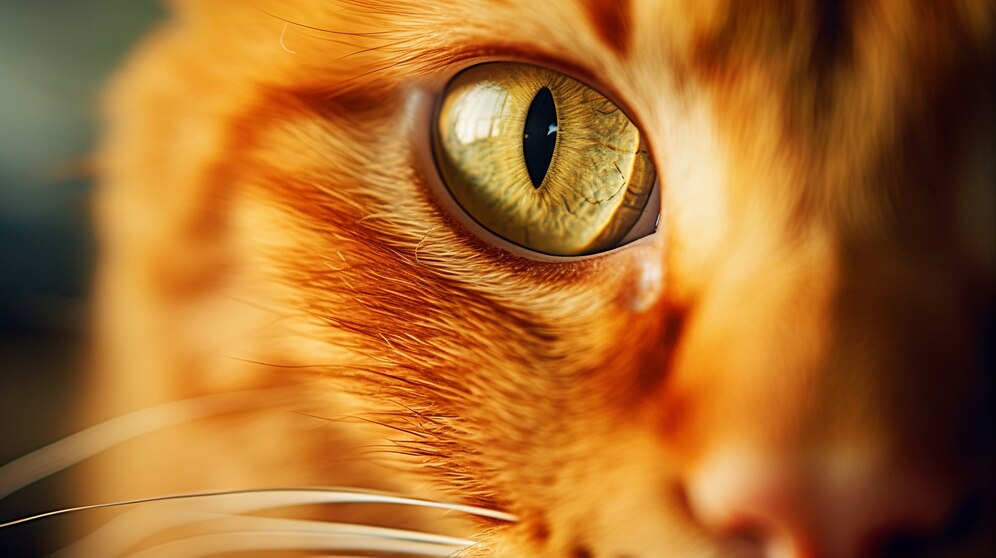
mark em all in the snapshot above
pixel 814 315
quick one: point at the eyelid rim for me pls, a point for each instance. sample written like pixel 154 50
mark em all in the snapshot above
pixel 645 227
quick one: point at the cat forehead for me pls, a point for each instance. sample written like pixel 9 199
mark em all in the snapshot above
pixel 592 34
pixel 619 26
pixel 645 49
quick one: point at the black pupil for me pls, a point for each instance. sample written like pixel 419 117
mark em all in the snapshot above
pixel 540 136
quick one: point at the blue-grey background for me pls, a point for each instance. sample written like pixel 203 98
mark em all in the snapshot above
pixel 55 56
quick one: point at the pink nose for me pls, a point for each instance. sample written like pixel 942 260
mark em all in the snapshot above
pixel 850 511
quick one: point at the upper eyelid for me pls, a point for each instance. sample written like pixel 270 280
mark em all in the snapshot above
pixel 480 54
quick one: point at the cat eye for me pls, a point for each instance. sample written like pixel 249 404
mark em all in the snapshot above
pixel 542 160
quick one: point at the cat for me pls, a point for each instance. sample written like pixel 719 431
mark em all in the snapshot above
pixel 794 359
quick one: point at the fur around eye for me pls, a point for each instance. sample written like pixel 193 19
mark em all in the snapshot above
pixel 541 159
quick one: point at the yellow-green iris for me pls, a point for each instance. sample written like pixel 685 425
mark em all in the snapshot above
pixel 578 189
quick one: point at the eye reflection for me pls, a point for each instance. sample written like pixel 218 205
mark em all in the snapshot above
pixel 486 110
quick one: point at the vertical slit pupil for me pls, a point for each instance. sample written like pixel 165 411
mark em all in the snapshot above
pixel 540 136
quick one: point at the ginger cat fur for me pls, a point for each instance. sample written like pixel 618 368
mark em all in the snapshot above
pixel 798 363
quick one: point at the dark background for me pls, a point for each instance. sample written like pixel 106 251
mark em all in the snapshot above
pixel 55 56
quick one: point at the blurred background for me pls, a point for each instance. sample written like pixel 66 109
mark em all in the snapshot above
pixel 55 56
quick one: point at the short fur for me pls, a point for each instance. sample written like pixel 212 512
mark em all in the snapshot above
pixel 816 308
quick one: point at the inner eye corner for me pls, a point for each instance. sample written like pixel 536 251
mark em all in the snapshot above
pixel 526 156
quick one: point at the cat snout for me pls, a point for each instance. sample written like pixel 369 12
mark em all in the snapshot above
pixel 792 511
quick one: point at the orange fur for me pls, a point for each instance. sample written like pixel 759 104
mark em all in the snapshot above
pixel 812 310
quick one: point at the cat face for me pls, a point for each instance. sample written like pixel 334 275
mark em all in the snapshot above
pixel 798 362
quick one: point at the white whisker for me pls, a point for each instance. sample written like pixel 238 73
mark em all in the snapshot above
pixel 82 445
pixel 262 541
pixel 220 524
pixel 127 530
pixel 243 501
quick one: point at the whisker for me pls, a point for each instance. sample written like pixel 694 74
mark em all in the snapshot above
pixel 244 501
pixel 257 541
pixel 82 445
pixel 369 35
pixel 109 544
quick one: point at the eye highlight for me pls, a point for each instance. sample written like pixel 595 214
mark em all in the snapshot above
pixel 541 159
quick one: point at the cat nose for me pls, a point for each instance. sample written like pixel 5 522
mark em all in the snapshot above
pixel 859 513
